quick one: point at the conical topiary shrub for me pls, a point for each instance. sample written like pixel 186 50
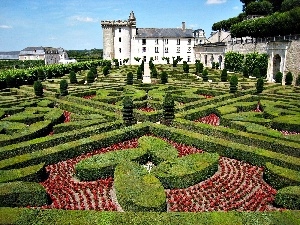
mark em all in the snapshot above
pixel 72 76
pixel 245 72
pixel 41 75
pixel 288 78
pixel 139 73
pixel 38 88
pixel 90 78
pixel 164 77
pixel 105 70
pixel 63 87
pixel 129 80
pixel 256 73
pixel 205 75
pixel 224 75
pixel 168 109
pixel 154 72
pixel 128 111
pixel 278 77
pixel 259 85
pixel 233 84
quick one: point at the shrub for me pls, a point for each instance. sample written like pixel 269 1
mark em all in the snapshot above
pixel 164 77
pixel 139 73
pixel 278 77
pixel 154 72
pixel 224 75
pixel 217 65
pixel 289 197
pixel 199 67
pixel 38 88
pixel 213 65
pixel 245 72
pixel 63 86
pixel 129 80
pixel 41 75
pixel 186 67
pixel 72 76
pixel 298 81
pixel 90 78
pixel 289 78
pixel 128 111
pixel 168 106
pixel 10 81
pixel 105 70
pixel 94 70
pixel 259 85
pixel 256 73
pixel 233 84
pixel 205 75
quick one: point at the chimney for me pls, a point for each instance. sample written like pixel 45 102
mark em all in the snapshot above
pixel 183 26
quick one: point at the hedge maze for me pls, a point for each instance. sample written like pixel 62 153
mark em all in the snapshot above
pixel 235 156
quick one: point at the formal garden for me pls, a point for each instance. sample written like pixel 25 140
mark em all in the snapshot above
pixel 90 143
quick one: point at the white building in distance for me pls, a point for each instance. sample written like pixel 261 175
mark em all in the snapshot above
pixel 123 40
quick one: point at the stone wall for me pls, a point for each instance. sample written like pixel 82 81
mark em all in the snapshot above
pixel 293 59
pixel 245 48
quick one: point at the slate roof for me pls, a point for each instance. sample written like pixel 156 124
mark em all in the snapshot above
pixel 164 33
pixel 9 55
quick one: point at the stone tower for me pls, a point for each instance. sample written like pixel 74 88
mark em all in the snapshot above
pixel 117 36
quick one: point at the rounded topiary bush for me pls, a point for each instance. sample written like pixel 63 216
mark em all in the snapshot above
pixel 139 73
pixel 245 72
pixel 289 197
pixel 90 78
pixel 259 85
pixel 164 77
pixel 278 77
pixel 205 75
pixel 38 88
pixel 256 73
pixel 233 84
pixel 289 78
pixel 41 74
pixel 105 70
pixel 129 80
pixel 224 75
pixel 72 76
pixel 63 86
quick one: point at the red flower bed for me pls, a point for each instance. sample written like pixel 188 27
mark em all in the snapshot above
pixel 67 116
pixel 211 119
pixel 258 108
pixel 147 109
pixel 236 186
pixel 208 96
pixel 89 96
pixel 289 132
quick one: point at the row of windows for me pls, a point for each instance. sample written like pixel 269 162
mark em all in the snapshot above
pixel 156 58
pixel 166 41
pixel 166 50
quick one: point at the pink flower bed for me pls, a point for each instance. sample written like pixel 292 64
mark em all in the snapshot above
pixel 208 96
pixel 236 186
pixel 211 119
pixel 147 109
pixel 89 96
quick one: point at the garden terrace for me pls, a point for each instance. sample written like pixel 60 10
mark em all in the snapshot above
pixel 235 157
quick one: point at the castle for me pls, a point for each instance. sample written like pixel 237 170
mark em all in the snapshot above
pixel 123 40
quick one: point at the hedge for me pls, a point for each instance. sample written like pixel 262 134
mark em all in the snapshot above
pixel 18 216
pixel 50 141
pixel 287 123
pixel 279 177
pixel 186 171
pixel 288 197
pixel 18 194
pixel 72 149
pixel 254 117
pixel 141 192
pixel 34 173
pixel 154 116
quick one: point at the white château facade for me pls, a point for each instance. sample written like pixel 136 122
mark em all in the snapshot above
pixel 123 40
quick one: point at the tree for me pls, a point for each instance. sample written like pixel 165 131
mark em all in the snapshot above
pixel 63 86
pixel 205 75
pixel 224 75
pixel 154 72
pixel 234 61
pixel 41 74
pixel 129 80
pixel 289 78
pixel 213 65
pixel 256 73
pixel 217 65
pixel 72 76
pixel 38 88
pixel 105 70
pixel 259 85
pixel 168 109
pixel 128 111
pixel 259 8
pixel 278 77
pixel 233 84
pixel 90 78
pixel 288 5
pixel 199 67
pixel 164 77
pixel 245 72
pixel 139 73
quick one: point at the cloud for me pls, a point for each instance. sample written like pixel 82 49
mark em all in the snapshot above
pixel 85 19
pixel 5 27
pixel 211 2
pixel 236 8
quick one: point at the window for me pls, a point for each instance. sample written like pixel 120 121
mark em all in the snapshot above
pixel 189 41
pixel 178 50
pixel 156 41
pixel 156 50
pixel 166 50
pixel 156 57
pixel 143 41
pixel 178 41
pixel 144 49
pixel 120 30
pixel 166 41
pixel 189 50
pixel 145 58
pixel 189 58
pixel 119 39
pixel 120 50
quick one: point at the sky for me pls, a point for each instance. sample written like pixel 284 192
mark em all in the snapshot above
pixel 75 24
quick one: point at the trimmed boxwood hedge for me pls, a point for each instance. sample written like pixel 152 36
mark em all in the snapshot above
pixel 288 197
pixel 186 171
pixel 279 177
pixel 137 190
pixel 18 194
pixel 34 173
pixel 287 123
